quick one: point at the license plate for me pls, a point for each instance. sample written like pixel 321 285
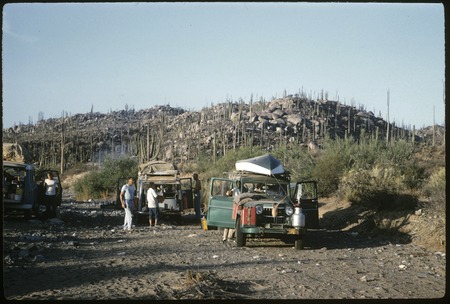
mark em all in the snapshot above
pixel 292 231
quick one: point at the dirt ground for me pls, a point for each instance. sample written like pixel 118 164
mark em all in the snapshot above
pixel 85 255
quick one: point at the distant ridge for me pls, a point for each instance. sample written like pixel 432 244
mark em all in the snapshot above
pixel 176 135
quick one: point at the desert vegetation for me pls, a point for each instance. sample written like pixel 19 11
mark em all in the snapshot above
pixel 372 174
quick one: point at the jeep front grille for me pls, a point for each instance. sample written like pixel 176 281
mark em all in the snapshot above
pixel 270 219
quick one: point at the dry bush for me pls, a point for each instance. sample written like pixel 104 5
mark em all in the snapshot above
pixel 435 189
pixel 376 188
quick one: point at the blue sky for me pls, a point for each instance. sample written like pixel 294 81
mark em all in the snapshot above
pixel 71 57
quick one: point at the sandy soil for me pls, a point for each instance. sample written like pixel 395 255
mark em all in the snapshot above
pixel 86 255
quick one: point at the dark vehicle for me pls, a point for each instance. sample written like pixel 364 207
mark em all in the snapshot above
pixel 305 197
pixel 19 188
pixel 259 205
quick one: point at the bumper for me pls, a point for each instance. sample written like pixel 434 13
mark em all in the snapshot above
pixel 273 230
pixel 16 205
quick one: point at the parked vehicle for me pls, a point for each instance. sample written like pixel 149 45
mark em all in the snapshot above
pixel 19 187
pixel 263 205
pixel 177 192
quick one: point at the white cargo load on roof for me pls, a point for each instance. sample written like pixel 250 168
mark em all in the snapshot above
pixel 265 164
pixel 15 152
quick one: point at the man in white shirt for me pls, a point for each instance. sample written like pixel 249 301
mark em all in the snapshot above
pixel 50 195
pixel 127 200
pixel 152 203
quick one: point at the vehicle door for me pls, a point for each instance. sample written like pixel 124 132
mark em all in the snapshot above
pixel 305 194
pixel 31 190
pixel 220 205
pixel 186 193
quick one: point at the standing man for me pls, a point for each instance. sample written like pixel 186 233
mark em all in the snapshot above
pixel 127 199
pixel 50 195
pixel 152 204
pixel 196 189
pixel 228 233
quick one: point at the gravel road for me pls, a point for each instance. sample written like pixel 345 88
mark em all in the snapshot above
pixel 86 255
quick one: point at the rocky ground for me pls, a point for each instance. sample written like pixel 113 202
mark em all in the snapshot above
pixel 85 255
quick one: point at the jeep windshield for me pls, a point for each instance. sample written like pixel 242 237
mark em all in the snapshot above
pixel 270 187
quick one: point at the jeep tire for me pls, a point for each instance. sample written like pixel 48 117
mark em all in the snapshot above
pixel 27 214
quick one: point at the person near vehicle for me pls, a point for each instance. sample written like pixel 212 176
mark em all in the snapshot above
pixel 196 189
pixel 228 233
pixel 127 200
pixel 152 204
pixel 50 186
pixel 235 191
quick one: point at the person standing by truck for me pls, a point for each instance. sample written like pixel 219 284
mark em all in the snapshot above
pixel 127 200
pixel 50 195
pixel 152 203
pixel 228 233
pixel 196 189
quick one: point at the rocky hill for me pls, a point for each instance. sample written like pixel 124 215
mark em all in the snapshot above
pixel 174 134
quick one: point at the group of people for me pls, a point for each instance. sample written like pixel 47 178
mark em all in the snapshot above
pixel 127 195
pixel 127 200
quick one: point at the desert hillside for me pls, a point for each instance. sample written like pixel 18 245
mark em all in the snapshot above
pixel 179 136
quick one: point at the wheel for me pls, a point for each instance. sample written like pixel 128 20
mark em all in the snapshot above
pixel 241 238
pixel 36 211
pixel 181 220
pixel 299 244
pixel 178 219
pixel 28 214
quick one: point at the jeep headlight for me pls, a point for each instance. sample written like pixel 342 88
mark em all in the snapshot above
pixel 259 209
pixel 289 211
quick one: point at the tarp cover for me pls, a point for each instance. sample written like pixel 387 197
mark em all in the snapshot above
pixel 265 164
pixel 158 168
pixel 16 153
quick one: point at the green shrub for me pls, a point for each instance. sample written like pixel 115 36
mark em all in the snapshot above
pixel 353 184
pixel 377 188
pixel 298 162
pixel 414 174
pixel 399 152
pixel 327 171
pixel 102 182
pixel 89 186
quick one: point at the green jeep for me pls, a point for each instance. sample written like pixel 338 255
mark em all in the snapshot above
pixel 257 205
